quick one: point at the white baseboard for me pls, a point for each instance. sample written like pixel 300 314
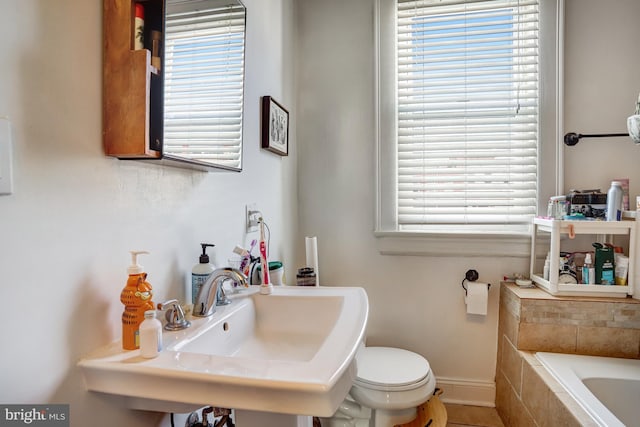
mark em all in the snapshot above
pixel 467 392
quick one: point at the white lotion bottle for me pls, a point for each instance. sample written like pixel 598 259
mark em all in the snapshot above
pixel 201 272
pixel 150 335
pixel 614 201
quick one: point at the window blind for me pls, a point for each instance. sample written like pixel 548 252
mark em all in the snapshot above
pixel 204 69
pixel 467 112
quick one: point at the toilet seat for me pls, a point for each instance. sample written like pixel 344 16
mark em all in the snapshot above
pixel 391 369
pixel 390 384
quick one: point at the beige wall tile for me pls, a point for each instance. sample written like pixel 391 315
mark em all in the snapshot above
pixel 539 397
pixel 626 315
pixel 510 300
pixel 508 327
pixel 612 342
pixel 512 365
pixel 509 324
pixel 571 412
pixel 535 396
pixel 503 391
pixel 571 312
pixel 546 337
pixel 548 379
pixel 560 414
pixel 520 416
pixel 530 358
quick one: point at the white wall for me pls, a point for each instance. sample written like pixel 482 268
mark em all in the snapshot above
pixel 66 231
pixel 602 83
pixel 417 302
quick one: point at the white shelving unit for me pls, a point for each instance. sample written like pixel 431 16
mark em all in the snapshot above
pixel 560 228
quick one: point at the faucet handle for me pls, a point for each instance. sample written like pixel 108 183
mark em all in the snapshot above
pixel 174 315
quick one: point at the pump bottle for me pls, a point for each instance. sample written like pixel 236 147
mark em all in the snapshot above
pixel 201 272
pixel 136 297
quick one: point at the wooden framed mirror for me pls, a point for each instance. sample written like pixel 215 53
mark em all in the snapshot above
pixel 177 95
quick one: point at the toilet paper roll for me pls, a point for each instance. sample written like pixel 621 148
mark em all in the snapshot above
pixel 311 246
pixel 477 298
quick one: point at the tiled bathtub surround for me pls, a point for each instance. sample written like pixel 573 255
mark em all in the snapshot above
pixel 532 320
pixel 538 321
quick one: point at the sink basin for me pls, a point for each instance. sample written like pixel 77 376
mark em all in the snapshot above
pixel 291 352
pixel 285 328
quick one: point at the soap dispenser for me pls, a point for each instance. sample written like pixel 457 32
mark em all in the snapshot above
pixel 136 297
pixel 201 272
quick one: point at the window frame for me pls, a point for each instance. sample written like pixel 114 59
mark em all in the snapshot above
pixel 473 241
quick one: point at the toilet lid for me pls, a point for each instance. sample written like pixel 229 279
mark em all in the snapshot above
pixel 390 367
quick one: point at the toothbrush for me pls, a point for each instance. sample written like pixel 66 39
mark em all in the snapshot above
pixel 245 265
pixel 266 288
pixel 245 256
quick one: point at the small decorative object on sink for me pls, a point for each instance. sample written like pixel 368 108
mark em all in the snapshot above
pixel 136 297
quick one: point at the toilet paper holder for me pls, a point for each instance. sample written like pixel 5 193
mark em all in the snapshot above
pixel 471 276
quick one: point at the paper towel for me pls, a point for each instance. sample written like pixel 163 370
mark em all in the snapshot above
pixel 311 246
pixel 477 298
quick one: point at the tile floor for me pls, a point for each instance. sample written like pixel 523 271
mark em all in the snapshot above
pixel 472 416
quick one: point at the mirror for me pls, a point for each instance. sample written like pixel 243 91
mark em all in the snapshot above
pixel 204 82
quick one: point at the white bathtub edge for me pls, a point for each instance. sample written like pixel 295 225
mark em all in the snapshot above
pixel 569 370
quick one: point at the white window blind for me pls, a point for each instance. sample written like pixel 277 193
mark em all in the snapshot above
pixel 467 112
pixel 204 69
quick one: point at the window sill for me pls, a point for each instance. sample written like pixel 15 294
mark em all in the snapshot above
pixel 453 244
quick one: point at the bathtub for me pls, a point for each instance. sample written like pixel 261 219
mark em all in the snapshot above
pixel 607 388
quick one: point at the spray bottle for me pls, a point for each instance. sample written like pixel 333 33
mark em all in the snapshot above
pixel 588 271
pixel 136 297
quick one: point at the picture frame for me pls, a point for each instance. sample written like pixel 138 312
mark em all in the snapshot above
pixel 275 126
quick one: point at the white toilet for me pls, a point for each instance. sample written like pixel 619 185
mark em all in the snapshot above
pixel 390 384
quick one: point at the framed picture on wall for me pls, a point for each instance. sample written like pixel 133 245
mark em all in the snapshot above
pixel 275 127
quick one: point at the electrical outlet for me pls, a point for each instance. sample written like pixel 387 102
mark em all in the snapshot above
pixel 252 215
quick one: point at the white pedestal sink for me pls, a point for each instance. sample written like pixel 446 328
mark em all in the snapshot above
pixel 291 352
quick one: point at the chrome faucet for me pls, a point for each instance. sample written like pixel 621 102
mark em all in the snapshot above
pixel 212 293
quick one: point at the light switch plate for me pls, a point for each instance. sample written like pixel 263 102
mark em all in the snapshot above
pixel 252 215
pixel 6 160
